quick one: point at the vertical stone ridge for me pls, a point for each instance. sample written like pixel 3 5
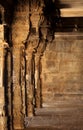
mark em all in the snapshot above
pixel 23 81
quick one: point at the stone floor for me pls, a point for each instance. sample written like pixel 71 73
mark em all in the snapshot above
pixel 68 116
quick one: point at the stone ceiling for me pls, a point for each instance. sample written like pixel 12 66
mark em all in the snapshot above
pixel 60 3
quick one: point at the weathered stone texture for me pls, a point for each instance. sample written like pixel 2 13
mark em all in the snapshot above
pixel 62 67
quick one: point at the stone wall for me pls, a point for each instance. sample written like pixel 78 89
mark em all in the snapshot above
pixel 62 68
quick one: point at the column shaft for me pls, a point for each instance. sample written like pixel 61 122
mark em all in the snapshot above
pixel 17 100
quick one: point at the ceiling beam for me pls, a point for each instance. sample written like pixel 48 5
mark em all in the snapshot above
pixel 71 12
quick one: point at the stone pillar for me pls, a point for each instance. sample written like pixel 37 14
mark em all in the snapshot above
pixel 29 85
pixel 30 76
pixel 32 44
pixel 17 102
pixel 3 45
pixel 38 55
pixel 20 30
pixel 3 118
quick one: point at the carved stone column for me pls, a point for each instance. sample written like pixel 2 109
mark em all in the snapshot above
pixel 3 45
pixel 32 44
pixel 17 102
pixel 29 85
pixel 20 30
pixel 3 118
pixel 38 55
